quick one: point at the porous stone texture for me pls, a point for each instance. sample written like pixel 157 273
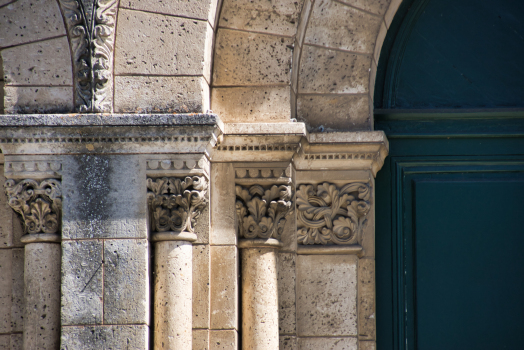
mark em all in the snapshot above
pixel 222 204
pixel 202 10
pixel 143 94
pixel 378 7
pixel 41 63
pixel 25 21
pixel 40 99
pixel 287 292
pixel 251 59
pixel 366 345
pixel 334 112
pixel 327 295
pixel 332 71
pixel 287 342
pixel 224 288
pixel 201 283
pixel 259 299
pixel 82 284
pixel 328 343
pixel 366 299
pixel 335 25
pixel 252 104
pixel 200 339
pixel 42 296
pixel 154 44
pixel 173 295
pixel 223 340
pixel 276 17
pixel 126 264
pixel 124 337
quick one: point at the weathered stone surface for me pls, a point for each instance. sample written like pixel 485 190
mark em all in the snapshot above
pixel 103 196
pixel 126 264
pixel 289 235
pixel 304 18
pixel 366 299
pixel 251 59
pixel 223 340
pixel 17 304
pixel 391 11
pixel 137 94
pixel 335 25
pixel 6 216
pixel 42 99
pixel 41 63
pixel 327 295
pixel 24 21
pixel 327 343
pixel 378 7
pixel 334 112
pixel 252 104
pixel 224 289
pixel 16 341
pixel 82 290
pixel 134 337
pixel 287 292
pixel 333 71
pixel 222 204
pixel 192 9
pixel 202 226
pixel 200 339
pixel 156 44
pixel 6 289
pixel 42 296
pixel 5 341
pixel 276 17
pixel 288 342
pixel 368 232
pixel 201 286
pixel 378 43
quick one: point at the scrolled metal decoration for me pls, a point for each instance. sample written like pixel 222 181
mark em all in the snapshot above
pixel 328 214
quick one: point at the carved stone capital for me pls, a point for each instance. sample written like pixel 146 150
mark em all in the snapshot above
pixel 327 214
pixel 262 212
pixel 38 204
pixel 175 203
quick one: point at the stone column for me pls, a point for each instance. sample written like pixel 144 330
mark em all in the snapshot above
pixel 174 204
pixel 261 213
pixel 39 205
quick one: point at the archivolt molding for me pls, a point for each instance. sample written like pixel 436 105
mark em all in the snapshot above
pixel 176 203
pixel 262 212
pixel 91 29
pixel 327 214
pixel 38 204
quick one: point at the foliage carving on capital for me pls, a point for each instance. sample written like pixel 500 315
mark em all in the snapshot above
pixel 328 214
pixel 38 204
pixel 176 203
pixel 262 213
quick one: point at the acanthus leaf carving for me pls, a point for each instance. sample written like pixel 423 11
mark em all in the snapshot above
pixel 175 203
pixel 38 204
pixel 262 213
pixel 328 214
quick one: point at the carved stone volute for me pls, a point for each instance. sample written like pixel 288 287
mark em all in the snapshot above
pixel 38 204
pixel 328 214
pixel 262 213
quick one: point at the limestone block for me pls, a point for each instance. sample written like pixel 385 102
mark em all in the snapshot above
pixel 223 340
pixel 41 63
pixel 368 232
pixel 289 235
pixel 192 9
pixel 138 94
pixel 222 204
pixel 327 343
pixel 366 299
pixel 380 40
pixel 16 342
pixel 41 99
pixel 17 305
pixel 5 341
pixel 334 112
pixel 335 25
pixel 6 289
pixel 103 196
pixel 252 104
pixel 287 342
pixel 200 339
pixel 366 345
pixel 203 225
pixel 6 216
pixel 135 337
pixel 326 295
pixel 126 264
pixel 154 44
pixel 224 289
pixel 251 59
pixel 302 24
pixel 42 296
pixel 295 68
pixel 82 290
pixel 24 21
pixel 333 71
pixel 378 7
pixel 286 292
pixel 200 286
pixel 276 17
